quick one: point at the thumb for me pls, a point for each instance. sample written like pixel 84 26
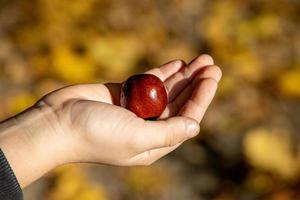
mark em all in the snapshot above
pixel 165 133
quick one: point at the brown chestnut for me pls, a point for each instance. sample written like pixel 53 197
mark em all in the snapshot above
pixel 145 95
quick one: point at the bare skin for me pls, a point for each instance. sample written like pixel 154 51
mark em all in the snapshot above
pixel 84 123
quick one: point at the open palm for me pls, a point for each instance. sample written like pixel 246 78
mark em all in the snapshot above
pixel 111 134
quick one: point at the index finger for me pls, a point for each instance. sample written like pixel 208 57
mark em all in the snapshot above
pixel 167 70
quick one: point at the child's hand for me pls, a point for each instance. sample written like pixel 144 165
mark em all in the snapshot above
pixel 86 124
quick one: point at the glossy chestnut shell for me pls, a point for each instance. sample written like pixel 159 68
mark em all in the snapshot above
pixel 145 95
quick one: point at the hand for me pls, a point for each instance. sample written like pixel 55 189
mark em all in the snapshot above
pixel 85 123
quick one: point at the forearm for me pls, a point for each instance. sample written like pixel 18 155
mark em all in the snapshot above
pixel 31 145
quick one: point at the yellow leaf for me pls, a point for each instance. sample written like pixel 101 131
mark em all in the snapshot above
pixel 271 151
pixel 116 54
pixel 151 180
pixel 21 101
pixel 289 83
pixel 71 183
pixel 247 66
pixel 71 68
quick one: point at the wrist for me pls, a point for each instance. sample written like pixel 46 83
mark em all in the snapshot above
pixel 33 143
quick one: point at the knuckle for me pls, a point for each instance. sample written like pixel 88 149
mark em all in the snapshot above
pixel 170 139
pixel 211 82
pixel 218 70
pixel 175 135
pixel 186 73
pixel 178 75
pixel 214 70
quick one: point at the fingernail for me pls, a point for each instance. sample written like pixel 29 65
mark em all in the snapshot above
pixel 192 129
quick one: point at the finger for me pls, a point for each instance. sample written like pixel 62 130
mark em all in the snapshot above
pixel 176 83
pixel 93 92
pixel 151 156
pixel 173 107
pixel 167 70
pixel 196 106
pixel 166 133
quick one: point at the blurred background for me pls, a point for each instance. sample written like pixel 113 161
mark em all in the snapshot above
pixel 249 147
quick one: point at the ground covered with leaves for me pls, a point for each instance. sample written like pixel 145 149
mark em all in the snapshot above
pixel 249 144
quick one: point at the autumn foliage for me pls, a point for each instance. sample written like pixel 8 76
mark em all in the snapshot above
pixel 249 143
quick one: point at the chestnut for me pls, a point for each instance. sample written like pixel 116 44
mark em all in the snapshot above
pixel 145 95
